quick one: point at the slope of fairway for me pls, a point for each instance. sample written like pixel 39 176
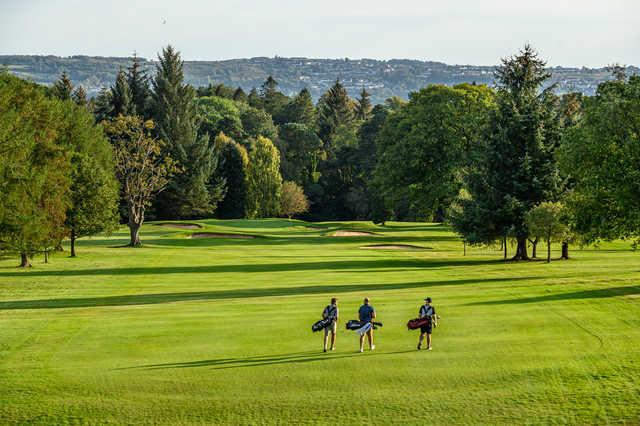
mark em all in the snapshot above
pixel 217 330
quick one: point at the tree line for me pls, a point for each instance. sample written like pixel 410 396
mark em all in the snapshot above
pixel 513 162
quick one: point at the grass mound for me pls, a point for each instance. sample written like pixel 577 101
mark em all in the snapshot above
pixel 394 247
pixel 180 225
pixel 222 235
pixel 349 233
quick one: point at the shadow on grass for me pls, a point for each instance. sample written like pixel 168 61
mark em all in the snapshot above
pixel 262 360
pixel 152 299
pixel 368 264
pixel 583 294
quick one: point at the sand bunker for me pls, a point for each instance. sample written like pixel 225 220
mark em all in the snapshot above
pixel 352 234
pixel 181 225
pixel 394 247
pixel 221 235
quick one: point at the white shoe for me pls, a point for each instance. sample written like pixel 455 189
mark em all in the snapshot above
pixel 429 348
pixel 373 347
pixel 361 350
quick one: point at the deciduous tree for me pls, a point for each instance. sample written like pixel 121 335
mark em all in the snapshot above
pixel 141 168
pixel 264 179
pixel 293 200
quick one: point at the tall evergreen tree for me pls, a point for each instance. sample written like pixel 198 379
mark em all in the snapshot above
pixel 34 169
pixel 301 110
pixel 254 98
pixel 335 114
pixel 188 194
pixel 363 106
pixel 63 88
pixel 239 95
pixel 269 87
pixel 138 82
pixel 273 101
pixel 121 96
pixel 94 190
pixel 79 96
pixel 515 167
pixel 103 105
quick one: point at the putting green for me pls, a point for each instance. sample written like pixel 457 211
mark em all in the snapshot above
pixel 217 330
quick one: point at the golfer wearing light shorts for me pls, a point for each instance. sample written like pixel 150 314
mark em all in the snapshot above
pixel 331 312
pixel 366 314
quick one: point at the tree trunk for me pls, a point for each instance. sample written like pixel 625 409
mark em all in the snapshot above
pixel 548 250
pixel 24 260
pixel 534 248
pixel 73 243
pixel 46 256
pixel 521 250
pixel 134 230
pixel 504 247
pixel 465 247
pixel 565 250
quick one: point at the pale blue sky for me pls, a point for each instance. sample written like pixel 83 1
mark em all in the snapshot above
pixel 566 32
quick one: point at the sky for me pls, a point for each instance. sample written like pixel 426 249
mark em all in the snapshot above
pixel 591 33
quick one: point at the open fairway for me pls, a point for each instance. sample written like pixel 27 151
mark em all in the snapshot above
pixel 217 330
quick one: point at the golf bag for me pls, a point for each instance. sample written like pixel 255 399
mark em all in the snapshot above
pixel 356 325
pixel 418 322
pixel 353 325
pixel 321 325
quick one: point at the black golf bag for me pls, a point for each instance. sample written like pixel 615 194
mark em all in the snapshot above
pixel 321 325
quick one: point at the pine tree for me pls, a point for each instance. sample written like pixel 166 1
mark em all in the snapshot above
pixel 240 96
pixel 254 98
pixel 363 107
pixel 188 194
pixel 34 169
pixel 138 82
pixel 273 101
pixel 301 110
pixel 269 88
pixel 79 96
pixel 515 167
pixel 63 88
pixel 94 190
pixel 121 96
pixel 103 105
pixel 335 114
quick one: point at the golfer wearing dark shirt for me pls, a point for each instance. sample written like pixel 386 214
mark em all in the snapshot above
pixel 429 312
pixel 366 314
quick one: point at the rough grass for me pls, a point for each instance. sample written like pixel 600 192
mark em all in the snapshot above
pixel 218 331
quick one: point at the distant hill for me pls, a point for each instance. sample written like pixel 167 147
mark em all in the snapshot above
pixel 383 79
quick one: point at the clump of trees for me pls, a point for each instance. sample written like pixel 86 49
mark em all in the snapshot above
pixel 56 175
pixel 495 162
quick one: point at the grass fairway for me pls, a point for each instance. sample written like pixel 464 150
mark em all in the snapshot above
pixel 217 330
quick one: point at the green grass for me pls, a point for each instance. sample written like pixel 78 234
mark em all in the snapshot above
pixel 218 331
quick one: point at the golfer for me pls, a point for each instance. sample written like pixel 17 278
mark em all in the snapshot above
pixel 366 314
pixel 331 312
pixel 429 312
